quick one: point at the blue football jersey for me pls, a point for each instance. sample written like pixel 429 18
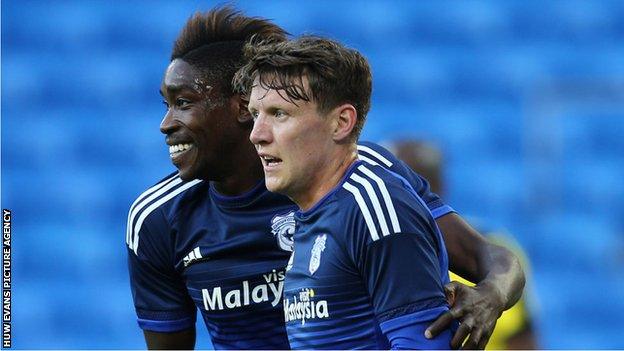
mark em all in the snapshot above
pixel 368 267
pixel 191 248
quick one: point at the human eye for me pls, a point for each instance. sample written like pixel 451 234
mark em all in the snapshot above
pixel 280 113
pixel 254 114
pixel 166 104
pixel 180 102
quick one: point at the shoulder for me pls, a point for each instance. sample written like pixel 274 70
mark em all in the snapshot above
pixel 375 196
pixel 375 154
pixel 164 197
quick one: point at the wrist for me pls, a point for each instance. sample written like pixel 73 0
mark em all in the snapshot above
pixel 496 297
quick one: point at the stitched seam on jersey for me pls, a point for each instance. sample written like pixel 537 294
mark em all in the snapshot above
pixel 363 208
pixel 374 154
pixel 169 315
pixel 429 303
pixel 155 205
pixel 386 196
pixel 140 199
pixel 375 201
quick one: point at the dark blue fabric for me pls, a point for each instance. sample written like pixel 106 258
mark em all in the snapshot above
pixel 367 253
pixel 418 183
pixel 166 326
pixel 408 331
pixel 199 246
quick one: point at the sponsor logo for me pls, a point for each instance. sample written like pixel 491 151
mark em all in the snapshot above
pixel 304 307
pixel 268 291
pixel 317 249
pixel 192 257
pixel 283 228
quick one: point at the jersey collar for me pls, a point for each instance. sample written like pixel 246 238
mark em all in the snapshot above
pixel 238 200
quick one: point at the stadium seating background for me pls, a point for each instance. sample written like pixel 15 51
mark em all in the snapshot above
pixel 526 98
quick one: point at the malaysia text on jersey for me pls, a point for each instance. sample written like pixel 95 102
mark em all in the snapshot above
pixel 191 248
pixel 369 268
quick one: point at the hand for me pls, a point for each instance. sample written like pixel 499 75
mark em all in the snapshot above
pixel 477 308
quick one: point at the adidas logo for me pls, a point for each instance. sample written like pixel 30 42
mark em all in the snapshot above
pixel 192 256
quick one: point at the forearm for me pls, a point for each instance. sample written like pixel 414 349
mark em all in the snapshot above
pixel 504 273
pixel 490 266
pixel 182 340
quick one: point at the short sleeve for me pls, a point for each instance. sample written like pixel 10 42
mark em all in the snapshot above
pixel 402 274
pixel 374 154
pixel 403 280
pixel 395 246
pixel 160 296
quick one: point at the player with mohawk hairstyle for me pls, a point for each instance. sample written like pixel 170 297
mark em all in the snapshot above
pixel 211 237
pixel 201 237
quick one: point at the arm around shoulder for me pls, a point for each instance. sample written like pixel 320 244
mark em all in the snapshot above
pixel 473 257
pixel 496 270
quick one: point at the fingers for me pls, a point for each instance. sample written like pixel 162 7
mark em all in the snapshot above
pixel 474 339
pixel 461 333
pixel 442 323
pixel 453 285
pixel 484 340
pixel 450 290
pixel 439 325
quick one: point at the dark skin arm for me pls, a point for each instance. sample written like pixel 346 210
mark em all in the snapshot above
pixel 500 281
pixel 498 271
pixel 182 340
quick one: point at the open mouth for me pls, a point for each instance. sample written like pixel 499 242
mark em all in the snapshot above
pixel 270 161
pixel 175 151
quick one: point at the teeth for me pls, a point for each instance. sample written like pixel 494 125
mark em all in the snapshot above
pixel 269 159
pixel 179 147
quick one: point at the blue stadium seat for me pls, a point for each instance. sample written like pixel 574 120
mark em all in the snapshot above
pixel 80 140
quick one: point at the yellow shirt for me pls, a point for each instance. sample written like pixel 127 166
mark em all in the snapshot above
pixel 514 319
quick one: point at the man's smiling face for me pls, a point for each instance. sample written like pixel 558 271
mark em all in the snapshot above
pixel 199 123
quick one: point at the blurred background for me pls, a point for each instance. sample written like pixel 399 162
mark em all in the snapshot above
pixel 525 99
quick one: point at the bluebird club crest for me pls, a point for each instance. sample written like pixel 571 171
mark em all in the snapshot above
pixel 283 227
pixel 317 249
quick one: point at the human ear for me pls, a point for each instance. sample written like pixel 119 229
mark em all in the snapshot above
pixel 344 122
pixel 243 115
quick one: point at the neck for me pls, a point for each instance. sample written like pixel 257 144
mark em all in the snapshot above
pixel 244 171
pixel 326 179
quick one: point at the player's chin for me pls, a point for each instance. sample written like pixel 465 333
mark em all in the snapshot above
pixel 188 172
pixel 186 175
pixel 274 184
pixel 188 167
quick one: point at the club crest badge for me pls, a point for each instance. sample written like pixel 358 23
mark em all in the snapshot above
pixel 317 249
pixel 283 228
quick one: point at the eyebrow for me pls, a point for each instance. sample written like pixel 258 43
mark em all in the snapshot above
pixel 176 88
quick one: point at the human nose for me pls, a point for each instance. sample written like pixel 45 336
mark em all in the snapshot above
pixel 168 125
pixel 261 132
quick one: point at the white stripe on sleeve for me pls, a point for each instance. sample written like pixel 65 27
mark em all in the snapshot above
pixel 367 160
pixel 148 195
pixel 365 212
pixel 155 205
pixel 375 201
pixel 386 196
pixel 375 154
